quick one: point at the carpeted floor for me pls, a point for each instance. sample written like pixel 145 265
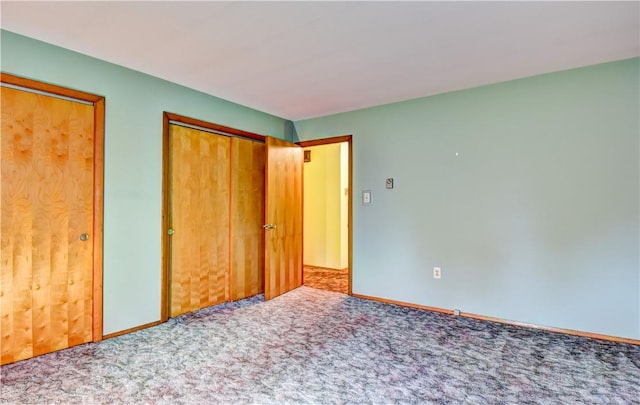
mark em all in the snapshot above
pixel 327 279
pixel 318 347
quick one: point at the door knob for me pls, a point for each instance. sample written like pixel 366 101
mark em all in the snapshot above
pixel 84 237
pixel 171 231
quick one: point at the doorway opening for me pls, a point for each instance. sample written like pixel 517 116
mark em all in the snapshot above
pixel 327 214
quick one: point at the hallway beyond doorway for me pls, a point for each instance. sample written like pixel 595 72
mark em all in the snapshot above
pixel 326 279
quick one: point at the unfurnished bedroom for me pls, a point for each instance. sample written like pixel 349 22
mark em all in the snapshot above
pixel 301 202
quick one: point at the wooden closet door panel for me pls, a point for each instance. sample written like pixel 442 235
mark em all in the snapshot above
pixel 79 302
pixel 16 225
pixel 47 202
pixel 199 192
pixel 283 243
pixel 182 190
pixel 215 193
pixel 247 207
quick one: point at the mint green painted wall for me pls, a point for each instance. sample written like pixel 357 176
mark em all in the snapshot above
pixel 536 220
pixel 133 161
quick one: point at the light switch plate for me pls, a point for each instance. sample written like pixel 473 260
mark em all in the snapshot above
pixel 366 197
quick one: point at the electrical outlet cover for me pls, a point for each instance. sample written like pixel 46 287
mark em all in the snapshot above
pixel 366 197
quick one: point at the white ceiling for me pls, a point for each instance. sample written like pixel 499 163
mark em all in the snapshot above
pixel 306 59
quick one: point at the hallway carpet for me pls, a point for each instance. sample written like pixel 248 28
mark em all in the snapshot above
pixel 326 279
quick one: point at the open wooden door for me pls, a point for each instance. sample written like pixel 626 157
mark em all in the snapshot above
pixel 283 228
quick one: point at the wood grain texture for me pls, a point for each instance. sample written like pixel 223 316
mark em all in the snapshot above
pixel 325 141
pixel 283 245
pixel 166 238
pixel 50 88
pixel 247 212
pixel 200 186
pixel 98 215
pixel 213 127
pixel 47 199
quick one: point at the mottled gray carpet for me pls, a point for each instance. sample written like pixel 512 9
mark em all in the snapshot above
pixel 320 347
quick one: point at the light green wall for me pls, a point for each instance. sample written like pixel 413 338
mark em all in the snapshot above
pixel 537 218
pixel 133 161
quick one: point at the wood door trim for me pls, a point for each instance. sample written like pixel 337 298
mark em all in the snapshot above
pixel 131 330
pixel 167 119
pixel 49 88
pixel 98 182
pixel 325 141
pixel 213 127
pixel 164 255
pixel 98 216
pixel 349 140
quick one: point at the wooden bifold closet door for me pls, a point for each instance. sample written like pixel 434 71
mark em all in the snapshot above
pixel 216 213
pixel 247 212
pixel 47 224
pixel 200 191
pixel 233 215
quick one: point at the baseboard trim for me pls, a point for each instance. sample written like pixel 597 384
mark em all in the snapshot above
pixel 504 321
pixel 404 304
pixel 131 330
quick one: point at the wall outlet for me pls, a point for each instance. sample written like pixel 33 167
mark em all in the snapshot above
pixel 436 272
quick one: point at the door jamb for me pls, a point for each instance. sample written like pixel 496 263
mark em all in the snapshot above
pixel 349 140
pixel 98 103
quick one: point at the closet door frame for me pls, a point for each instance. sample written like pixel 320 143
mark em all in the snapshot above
pixel 98 103
pixel 168 119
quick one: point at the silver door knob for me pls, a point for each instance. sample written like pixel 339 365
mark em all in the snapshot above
pixel 171 231
pixel 84 237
